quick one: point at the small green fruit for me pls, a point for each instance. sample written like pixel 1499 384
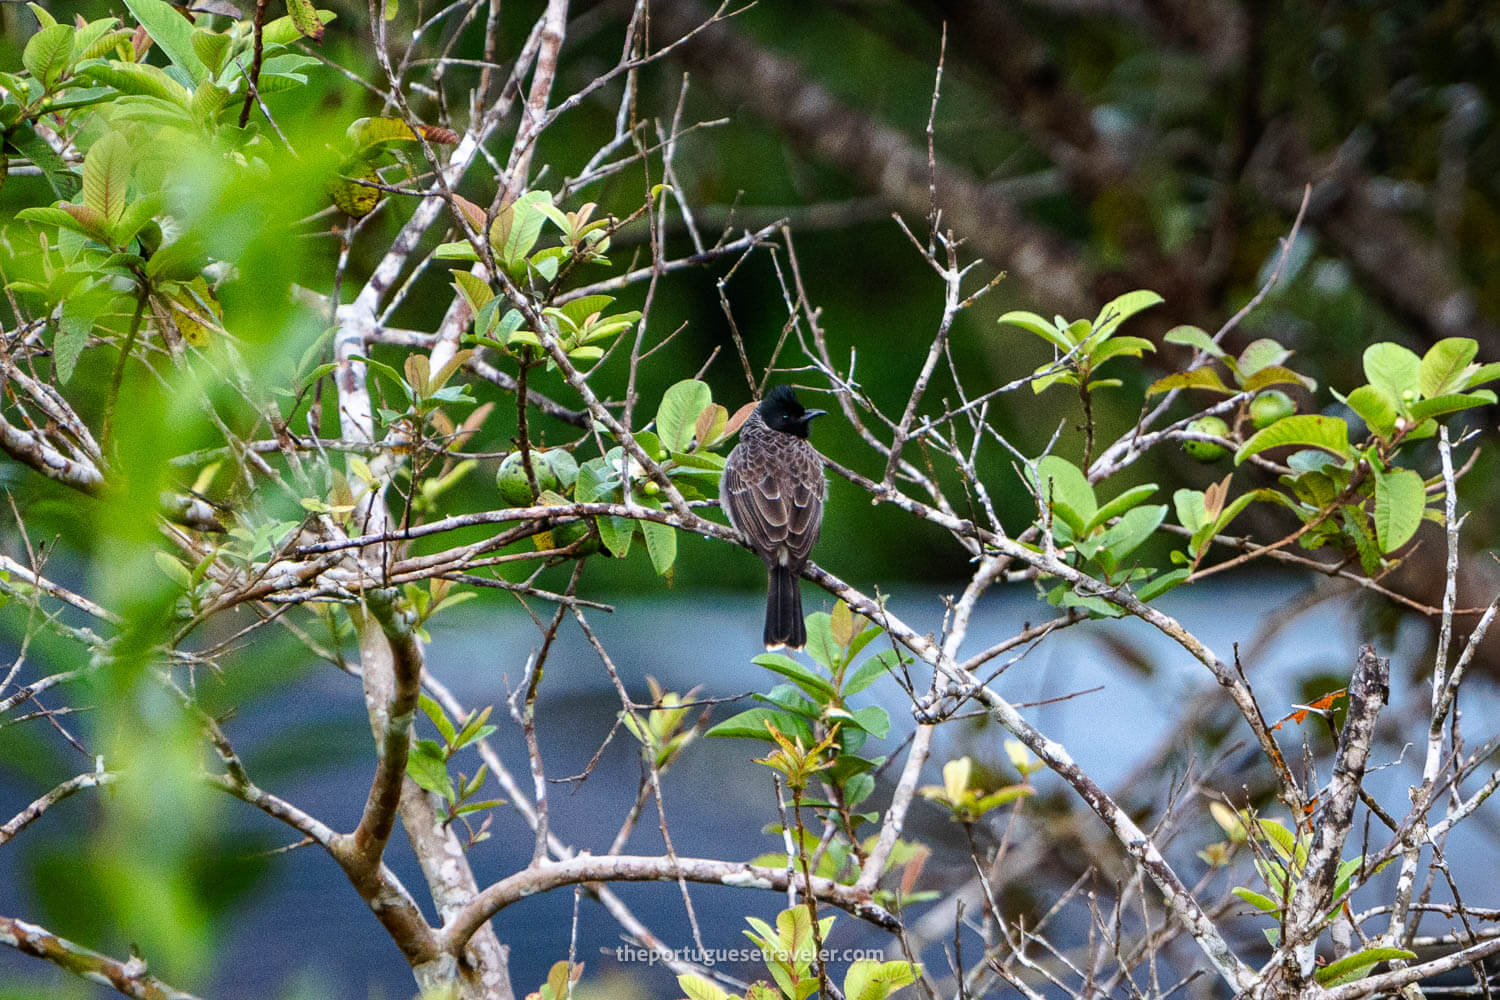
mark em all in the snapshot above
pixel 1206 451
pixel 1269 407
pixel 511 481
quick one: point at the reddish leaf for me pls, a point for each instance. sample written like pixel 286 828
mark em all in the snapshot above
pixel 1322 705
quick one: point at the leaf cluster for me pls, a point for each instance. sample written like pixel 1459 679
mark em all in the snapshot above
pixel 789 950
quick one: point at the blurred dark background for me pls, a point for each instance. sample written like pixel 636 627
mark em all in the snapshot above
pixel 1083 148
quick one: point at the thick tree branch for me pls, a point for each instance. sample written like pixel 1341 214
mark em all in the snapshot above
pixel 392 710
pixel 1369 690
pixel 129 977
pixel 629 868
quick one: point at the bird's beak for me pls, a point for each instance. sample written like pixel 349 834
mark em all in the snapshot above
pixel 808 415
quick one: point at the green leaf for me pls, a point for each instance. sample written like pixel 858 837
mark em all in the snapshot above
pixel 1119 505
pixel 752 725
pixel 45 19
pixel 92 222
pixel 677 417
pixel 1192 514
pixel 777 663
pixel 1059 376
pixel 1356 966
pixel 1159 585
pixel 73 331
pixel 1127 534
pixel 1376 408
pixel 476 292
pixel 23 137
pixel 1193 378
pixel 872 719
pixel 1481 374
pixel 607 328
pixel 1263 903
pixel 389 374
pixel 579 310
pixel 790 697
pixel 616 533
pixel 211 47
pixel 278 83
pixel 1000 797
pixel 305 19
pixel 284 31
pixel 367 134
pixel 1400 499
pixel 78 97
pixel 48 54
pixel 101 46
pixel 458 250
pixel 858 788
pixel 1043 329
pixel 1309 429
pixel 1357 529
pixel 87 35
pixel 172 33
pixel 864 638
pixel 870 671
pixel 207 100
pixel 475 729
pixel 1443 366
pixel 1275 375
pixel 427 766
pixel 48 215
pixel 661 545
pixel 174 570
pixel 139 78
pixel 1033 323
pixel 1439 406
pixel 1278 836
pixel 868 979
pixel 1392 368
pixel 698 988
pixel 106 174
pixel 821 645
pixel 547 261
pixel 1119 310
pixel 508 325
pixel 1192 336
pixel 595 480
pixel 1064 485
pixel 1260 354
pixel 518 227
pixel 1117 346
pixel 705 460
pixel 1231 511
pixel 439 718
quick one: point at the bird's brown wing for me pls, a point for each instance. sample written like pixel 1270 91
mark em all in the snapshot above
pixel 755 507
pixel 804 507
pixel 776 510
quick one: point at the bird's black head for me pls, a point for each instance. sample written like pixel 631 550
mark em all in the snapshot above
pixel 782 412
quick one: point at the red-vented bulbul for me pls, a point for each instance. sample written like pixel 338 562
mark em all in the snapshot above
pixel 773 490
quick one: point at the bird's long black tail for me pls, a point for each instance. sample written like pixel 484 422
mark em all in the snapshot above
pixel 784 625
